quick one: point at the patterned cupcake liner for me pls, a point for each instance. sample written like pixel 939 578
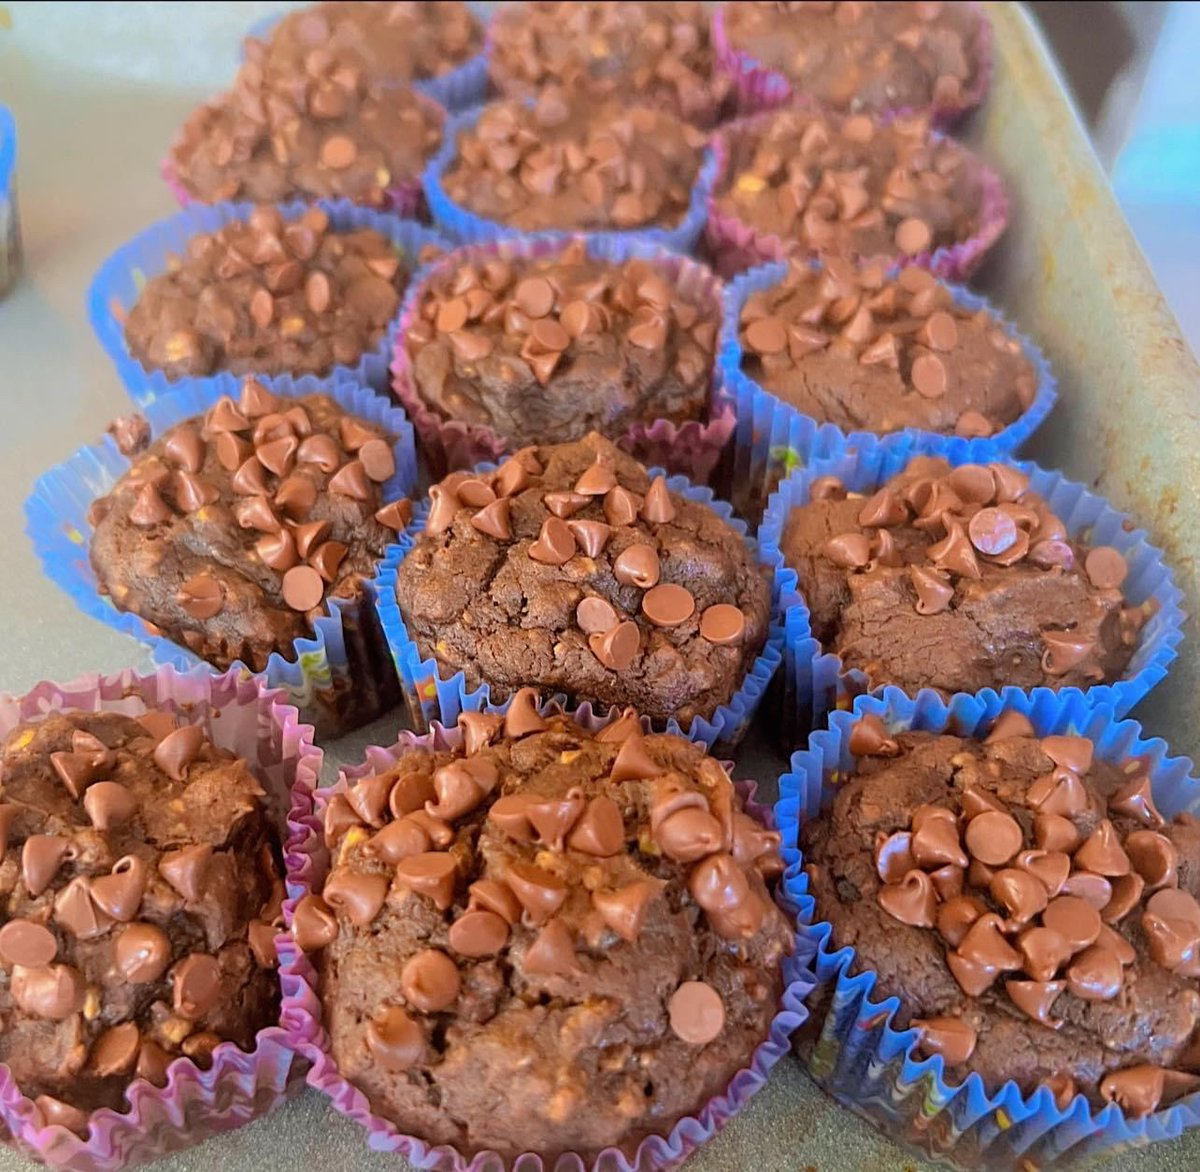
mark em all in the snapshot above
pixel 735 245
pixel 307 864
pixel 432 696
pixel 239 714
pixel 852 1047
pixel 817 682
pixel 760 88
pixel 120 280
pixel 10 224
pixel 461 87
pixel 773 438
pixel 340 678
pixel 692 448
pixel 465 226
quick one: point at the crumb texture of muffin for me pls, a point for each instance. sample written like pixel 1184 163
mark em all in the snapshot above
pixel 1027 903
pixel 862 55
pixel 268 296
pixel 142 893
pixel 849 186
pixel 867 352
pixel 545 350
pixel 959 579
pixel 233 531
pixel 655 54
pixel 315 126
pixel 547 940
pixel 571 571
pixel 567 163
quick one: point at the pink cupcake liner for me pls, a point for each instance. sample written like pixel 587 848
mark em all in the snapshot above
pixel 692 448
pixel 759 88
pixel 736 246
pixel 307 861
pixel 240 714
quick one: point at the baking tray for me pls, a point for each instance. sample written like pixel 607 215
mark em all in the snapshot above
pixel 1068 271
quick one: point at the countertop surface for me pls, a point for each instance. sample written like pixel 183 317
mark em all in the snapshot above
pixel 94 120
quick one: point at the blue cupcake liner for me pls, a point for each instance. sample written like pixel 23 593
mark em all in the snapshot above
pixel 121 278
pixel 816 682
pixel 462 87
pixel 431 696
pixel 468 228
pixel 342 676
pixel 857 1055
pixel 10 227
pixel 774 438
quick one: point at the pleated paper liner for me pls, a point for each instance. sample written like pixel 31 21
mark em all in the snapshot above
pixel 10 224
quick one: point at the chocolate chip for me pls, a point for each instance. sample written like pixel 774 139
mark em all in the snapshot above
pixel 592 536
pixel 535 296
pixel 1105 567
pixel 723 624
pixel 913 236
pixel 395 1041
pixel 196 983
pixel 668 604
pixel 555 544
pixel 378 460
pixel 23 942
pixel 142 953
pixel 657 508
pixel 929 376
pixel 638 565
pixel 696 1013
pixel 397 515
pixel 201 596
pixel 178 749
pixel 617 647
pixel 303 588
pixel 595 615
pixel 352 480
pixel 992 531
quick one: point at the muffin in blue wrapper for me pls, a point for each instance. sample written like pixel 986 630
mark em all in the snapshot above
pixel 816 681
pixel 119 282
pixel 342 675
pixel 854 1049
pixel 457 89
pixel 10 225
pixel 468 228
pixel 434 696
pixel 773 438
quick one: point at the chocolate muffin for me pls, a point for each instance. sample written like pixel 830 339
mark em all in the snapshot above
pixel 397 43
pixel 142 891
pixel 235 530
pixel 849 186
pixel 268 296
pixel 867 352
pixel 566 162
pixel 959 579
pixel 1025 901
pixel 654 54
pixel 569 570
pixel 311 127
pixel 864 56
pixel 547 940
pixel 545 349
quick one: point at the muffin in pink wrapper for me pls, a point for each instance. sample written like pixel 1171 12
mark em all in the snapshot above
pixel 288 130
pixel 803 182
pixel 541 340
pixel 550 903
pixel 140 998
pixel 882 58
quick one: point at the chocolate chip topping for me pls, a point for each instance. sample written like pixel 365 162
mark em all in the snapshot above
pixel 1065 945
pixel 568 163
pixel 864 56
pixel 613 894
pixel 547 349
pixel 857 349
pixel 956 598
pixel 291 526
pixel 107 962
pixel 654 54
pixel 617 615
pixel 850 187
pixel 269 296
pixel 309 122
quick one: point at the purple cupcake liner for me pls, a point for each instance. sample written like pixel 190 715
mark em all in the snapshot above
pixel 735 245
pixel 468 228
pixel 773 438
pixel 817 682
pixel 465 85
pixel 856 1053
pixel 692 448
pixel 120 279
pixel 307 861
pixel 340 678
pixel 760 88
pixel 431 696
pixel 240 714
